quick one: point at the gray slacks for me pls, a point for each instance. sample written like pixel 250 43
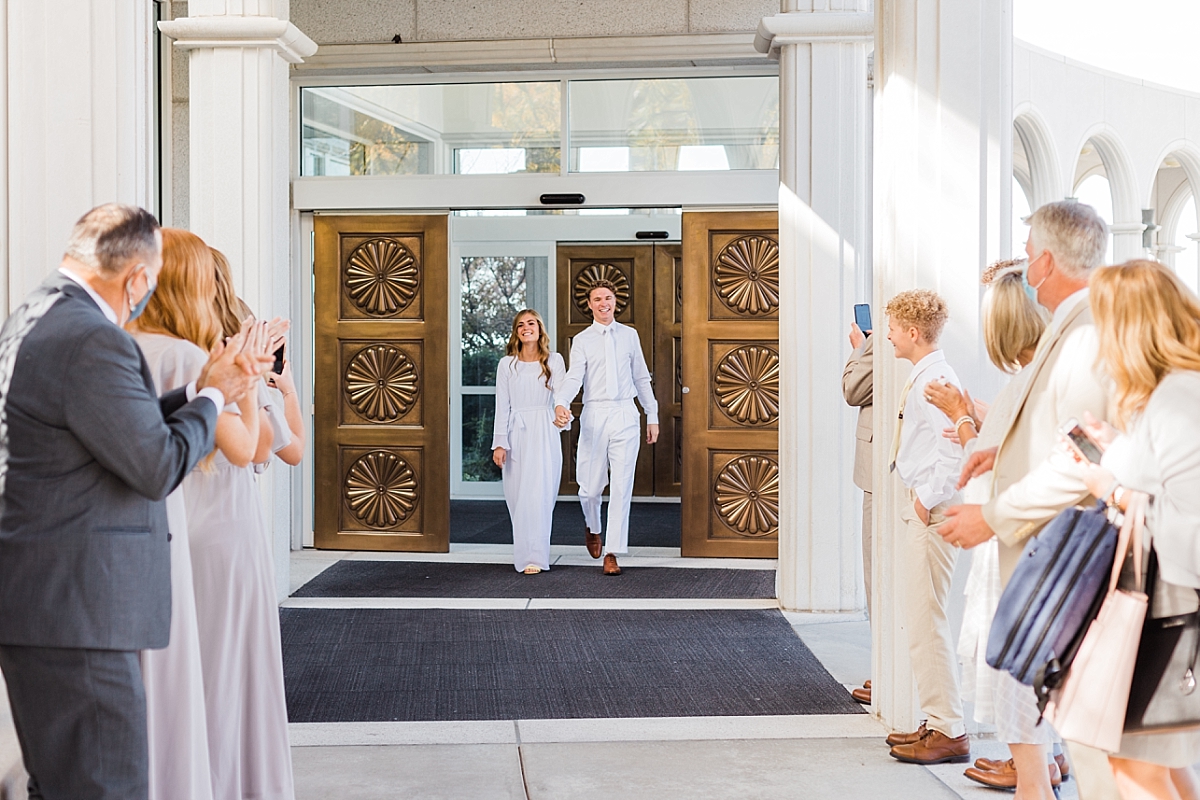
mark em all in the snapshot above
pixel 81 721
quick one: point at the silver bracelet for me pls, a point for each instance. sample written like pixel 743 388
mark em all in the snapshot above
pixel 964 418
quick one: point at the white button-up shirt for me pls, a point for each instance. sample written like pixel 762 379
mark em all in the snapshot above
pixel 927 462
pixel 587 369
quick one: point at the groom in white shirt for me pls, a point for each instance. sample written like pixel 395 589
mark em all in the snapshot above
pixel 607 361
pixel 928 465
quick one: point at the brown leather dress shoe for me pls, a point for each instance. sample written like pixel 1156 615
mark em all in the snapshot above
pixel 1005 776
pixel 592 540
pixel 896 738
pixel 610 565
pixel 863 694
pixel 990 765
pixel 934 747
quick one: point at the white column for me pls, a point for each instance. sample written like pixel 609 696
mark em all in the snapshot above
pixel 1127 241
pixel 78 124
pixel 942 157
pixel 824 263
pixel 239 152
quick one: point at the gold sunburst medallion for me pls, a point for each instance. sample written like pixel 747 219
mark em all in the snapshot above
pixel 382 277
pixel 746 496
pixel 590 275
pixel 747 385
pixel 746 275
pixel 381 489
pixel 381 383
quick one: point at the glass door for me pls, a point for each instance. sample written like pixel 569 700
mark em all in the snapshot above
pixel 491 282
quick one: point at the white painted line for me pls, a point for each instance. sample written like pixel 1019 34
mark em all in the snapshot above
pixel 326 734
pixel 652 603
pixel 801 618
pixel 408 603
pixel 636 560
pixel 817 726
pixel 522 603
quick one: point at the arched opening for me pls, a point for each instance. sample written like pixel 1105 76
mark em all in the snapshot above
pixel 1174 199
pixel 1022 192
pixel 1091 185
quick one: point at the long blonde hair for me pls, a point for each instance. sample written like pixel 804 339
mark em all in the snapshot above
pixel 182 304
pixel 1149 324
pixel 224 296
pixel 543 343
pixel 1012 322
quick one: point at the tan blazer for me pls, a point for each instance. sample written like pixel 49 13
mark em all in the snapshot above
pixel 858 383
pixel 1033 479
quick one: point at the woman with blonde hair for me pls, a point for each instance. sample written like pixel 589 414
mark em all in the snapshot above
pixel 1148 323
pixel 235 599
pixel 175 332
pixel 1012 325
pixel 525 441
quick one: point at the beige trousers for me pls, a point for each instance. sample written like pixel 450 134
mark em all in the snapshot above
pixel 866 548
pixel 928 571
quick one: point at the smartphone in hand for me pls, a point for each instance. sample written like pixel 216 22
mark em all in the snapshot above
pixel 862 317
pixel 277 367
pixel 1079 441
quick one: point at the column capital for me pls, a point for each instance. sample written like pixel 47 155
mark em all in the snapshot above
pixel 802 27
pixel 191 33
pixel 1127 228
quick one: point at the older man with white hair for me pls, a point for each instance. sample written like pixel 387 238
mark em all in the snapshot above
pixel 1033 478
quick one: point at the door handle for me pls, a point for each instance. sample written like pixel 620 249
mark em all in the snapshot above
pixel 686 390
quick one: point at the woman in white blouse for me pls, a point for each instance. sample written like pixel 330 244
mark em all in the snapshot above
pixel 1149 330
pixel 525 441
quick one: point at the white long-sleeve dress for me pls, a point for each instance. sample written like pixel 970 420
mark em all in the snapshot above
pixel 533 466
pixel 239 630
pixel 175 716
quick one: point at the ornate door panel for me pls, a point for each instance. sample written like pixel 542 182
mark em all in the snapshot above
pixel 668 384
pixel 731 384
pixel 630 268
pixel 382 438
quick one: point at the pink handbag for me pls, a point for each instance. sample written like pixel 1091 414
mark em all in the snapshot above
pixel 1090 705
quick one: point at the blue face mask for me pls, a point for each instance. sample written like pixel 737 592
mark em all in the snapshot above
pixel 1029 290
pixel 137 308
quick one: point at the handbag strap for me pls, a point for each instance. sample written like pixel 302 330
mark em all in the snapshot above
pixel 1133 523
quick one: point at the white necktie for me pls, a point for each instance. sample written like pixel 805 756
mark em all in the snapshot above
pixel 610 363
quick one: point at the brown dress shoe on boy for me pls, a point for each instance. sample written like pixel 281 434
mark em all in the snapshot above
pixel 934 747
pixel 592 540
pixel 863 694
pixel 1005 776
pixel 896 738
pixel 610 565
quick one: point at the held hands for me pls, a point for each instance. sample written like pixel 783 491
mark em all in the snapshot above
pixel 562 416
pixel 651 433
pixel 499 456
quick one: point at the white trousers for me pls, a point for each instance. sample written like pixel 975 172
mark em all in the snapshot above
pixel 609 438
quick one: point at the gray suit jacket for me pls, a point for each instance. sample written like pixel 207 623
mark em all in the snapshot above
pixel 858 387
pixel 84 559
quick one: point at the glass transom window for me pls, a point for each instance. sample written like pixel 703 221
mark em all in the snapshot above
pixel 616 125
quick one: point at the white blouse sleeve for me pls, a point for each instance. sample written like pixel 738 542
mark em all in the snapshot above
pixel 500 427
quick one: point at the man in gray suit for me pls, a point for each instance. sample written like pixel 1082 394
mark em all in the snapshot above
pixel 858 387
pixel 87 454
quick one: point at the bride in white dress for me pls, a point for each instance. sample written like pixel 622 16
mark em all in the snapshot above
pixel 525 442
pixel 174 333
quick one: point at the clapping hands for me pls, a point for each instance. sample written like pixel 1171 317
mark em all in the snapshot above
pixel 235 365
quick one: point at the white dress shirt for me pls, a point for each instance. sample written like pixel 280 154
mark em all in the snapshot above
pixel 588 370
pixel 927 462
pixel 1160 455
pixel 211 392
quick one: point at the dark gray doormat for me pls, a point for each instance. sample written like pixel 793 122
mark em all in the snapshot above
pixel 431 579
pixel 487 522
pixel 379 665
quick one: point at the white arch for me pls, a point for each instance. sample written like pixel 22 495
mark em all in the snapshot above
pixel 1127 224
pixel 1045 183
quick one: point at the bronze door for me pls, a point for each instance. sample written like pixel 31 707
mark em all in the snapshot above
pixel 668 385
pixel 382 438
pixel 629 267
pixel 731 384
